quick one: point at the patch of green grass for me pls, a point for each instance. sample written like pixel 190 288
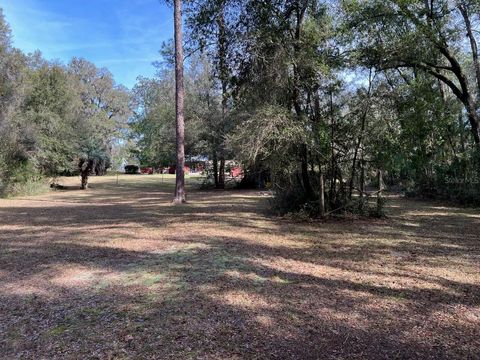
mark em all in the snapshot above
pixel 102 284
pixel 118 236
pixel 152 279
pixel 152 297
pixel 279 280
pixel 397 297
pixel 58 330
pixel 260 279
pixel 143 278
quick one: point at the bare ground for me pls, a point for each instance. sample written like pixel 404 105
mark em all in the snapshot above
pixel 118 272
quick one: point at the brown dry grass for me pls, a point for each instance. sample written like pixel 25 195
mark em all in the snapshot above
pixel 118 272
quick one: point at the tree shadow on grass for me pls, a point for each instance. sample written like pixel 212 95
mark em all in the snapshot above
pixel 114 281
pixel 218 301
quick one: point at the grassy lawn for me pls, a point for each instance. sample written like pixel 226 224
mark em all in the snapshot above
pixel 118 272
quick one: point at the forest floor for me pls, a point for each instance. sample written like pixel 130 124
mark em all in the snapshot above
pixel 117 272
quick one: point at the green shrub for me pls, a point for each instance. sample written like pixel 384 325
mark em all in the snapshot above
pixel 22 180
pixel 28 188
pixel 290 200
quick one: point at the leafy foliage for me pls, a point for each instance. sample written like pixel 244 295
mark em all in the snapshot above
pixel 54 117
pixel 314 98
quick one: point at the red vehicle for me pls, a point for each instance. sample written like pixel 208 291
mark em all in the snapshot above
pixel 172 169
pixel 236 171
pixel 147 170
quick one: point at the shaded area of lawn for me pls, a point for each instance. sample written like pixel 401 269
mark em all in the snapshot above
pixel 117 272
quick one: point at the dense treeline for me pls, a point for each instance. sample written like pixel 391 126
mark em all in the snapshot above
pixel 324 102
pixel 54 119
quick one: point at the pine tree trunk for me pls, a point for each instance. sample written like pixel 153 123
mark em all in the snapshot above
pixel 223 74
pixel 333 163
pixel 179 100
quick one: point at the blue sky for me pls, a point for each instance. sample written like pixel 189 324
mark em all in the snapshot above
pixel 122 35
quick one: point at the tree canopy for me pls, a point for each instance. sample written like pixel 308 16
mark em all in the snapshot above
pixel 321 101
pixel 55 118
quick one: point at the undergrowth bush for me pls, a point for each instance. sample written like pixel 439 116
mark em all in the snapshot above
pixel 28 188
pixel 294 205
pixel 22 180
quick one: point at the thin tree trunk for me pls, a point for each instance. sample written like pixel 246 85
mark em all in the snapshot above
pixel 473 45
pixel 360 137
pixel 300 16
pixel 221 171
pixel 473 118
pixel 381 186
pixel 215 169
pixel 362 177
pixel 305 176
pixel 380 192
pixel 462 131
pixel 341 188
pixel 223 74
pixel 321 192
pixel 354 167
pixel 179 100
pixel 333 179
